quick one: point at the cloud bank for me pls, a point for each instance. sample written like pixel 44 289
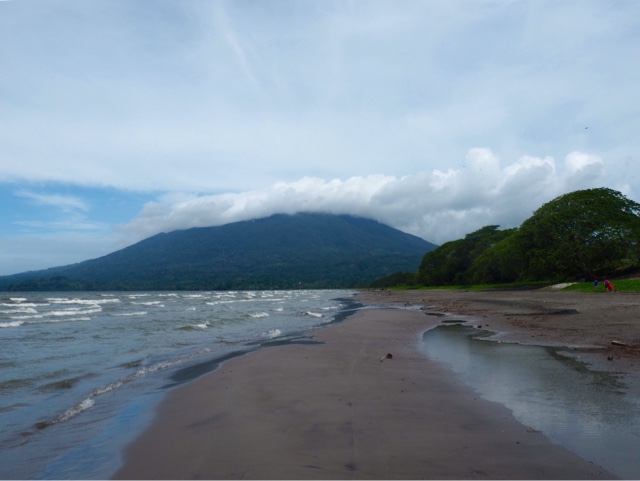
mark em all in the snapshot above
pixel 438 205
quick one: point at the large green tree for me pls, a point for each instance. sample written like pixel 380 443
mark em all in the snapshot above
pixel 581 234
pixel 501 262
pixel 449 264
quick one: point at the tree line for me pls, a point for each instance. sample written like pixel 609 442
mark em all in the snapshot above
pixel 580 235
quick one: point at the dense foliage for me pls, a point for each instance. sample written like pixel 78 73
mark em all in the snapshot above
pixel 450 264
pixel 278 252
pixel 581 235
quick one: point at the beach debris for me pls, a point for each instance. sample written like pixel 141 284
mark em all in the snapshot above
pixel 388 356
pixel 618 343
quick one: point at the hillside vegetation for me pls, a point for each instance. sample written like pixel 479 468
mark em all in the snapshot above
pixel 582 235
pixel 278 252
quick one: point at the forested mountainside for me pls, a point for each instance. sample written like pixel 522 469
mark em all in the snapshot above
pixel 306 250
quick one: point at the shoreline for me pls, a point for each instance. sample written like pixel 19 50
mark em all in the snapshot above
pixel 590 327
pixel 341 410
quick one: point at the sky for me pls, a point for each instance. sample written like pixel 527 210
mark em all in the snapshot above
pixel 120 119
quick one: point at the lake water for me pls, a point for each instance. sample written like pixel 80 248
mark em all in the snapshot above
pixel 80 373
pixel 592 413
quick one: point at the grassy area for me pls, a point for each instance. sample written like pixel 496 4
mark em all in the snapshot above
pixel 478 287
pixel 621 285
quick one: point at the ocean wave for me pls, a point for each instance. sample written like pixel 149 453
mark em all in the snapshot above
pixel 90 400
pixel 72 412
pixel 71 319
pixel 126 314
pixel 272 333
pixel 160 366
pixel 75 312
pixel 61 384
pixel 87 403
pixel 11 324
pixel 195 327
pixel 20 305
pixel 34 316
pixel 150 303
pixel 85 302
pixel 312 314
pixel 258 314
pixel 108 388
pixel 22 310
pixel 11 384
pixel 63 313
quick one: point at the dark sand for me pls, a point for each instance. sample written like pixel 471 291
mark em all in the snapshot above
pixel 336 411
pixel 594 325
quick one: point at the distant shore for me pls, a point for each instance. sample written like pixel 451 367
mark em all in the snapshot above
pixel 343 410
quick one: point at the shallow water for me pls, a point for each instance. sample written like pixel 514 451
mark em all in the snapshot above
pixel 591 413
pixel 80 373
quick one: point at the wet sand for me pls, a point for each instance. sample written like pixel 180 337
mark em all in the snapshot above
pixel 342 410
pixel 604 328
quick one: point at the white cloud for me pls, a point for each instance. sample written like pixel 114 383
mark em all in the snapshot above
pixel 438 206
pixel 66 203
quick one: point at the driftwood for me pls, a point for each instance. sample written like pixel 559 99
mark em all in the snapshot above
pixel 618 343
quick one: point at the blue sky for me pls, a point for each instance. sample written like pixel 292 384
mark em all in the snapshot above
pixel 121 119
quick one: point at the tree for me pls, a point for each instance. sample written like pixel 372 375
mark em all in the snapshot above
pixel 502 262
pixel 580 234
pixel 449 264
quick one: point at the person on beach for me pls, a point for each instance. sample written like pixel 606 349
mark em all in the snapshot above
pixel 595 285
pixel 608 285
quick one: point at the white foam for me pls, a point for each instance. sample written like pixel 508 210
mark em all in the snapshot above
pixel 273 333
pixel 11 324
pixel 258 314
pixel 74 311
pixel 157 367
pixel 24 310
pixel 35 316
pixel 82 302
pixel 127 314
pixel 313 314
pixel 72 319
pixel 150 303
pixel 18 299
pixel 20 305
pixel 107 388
pixel 74 411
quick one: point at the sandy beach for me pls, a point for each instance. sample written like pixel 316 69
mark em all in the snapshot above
pixel 604 327
pixel 340 409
